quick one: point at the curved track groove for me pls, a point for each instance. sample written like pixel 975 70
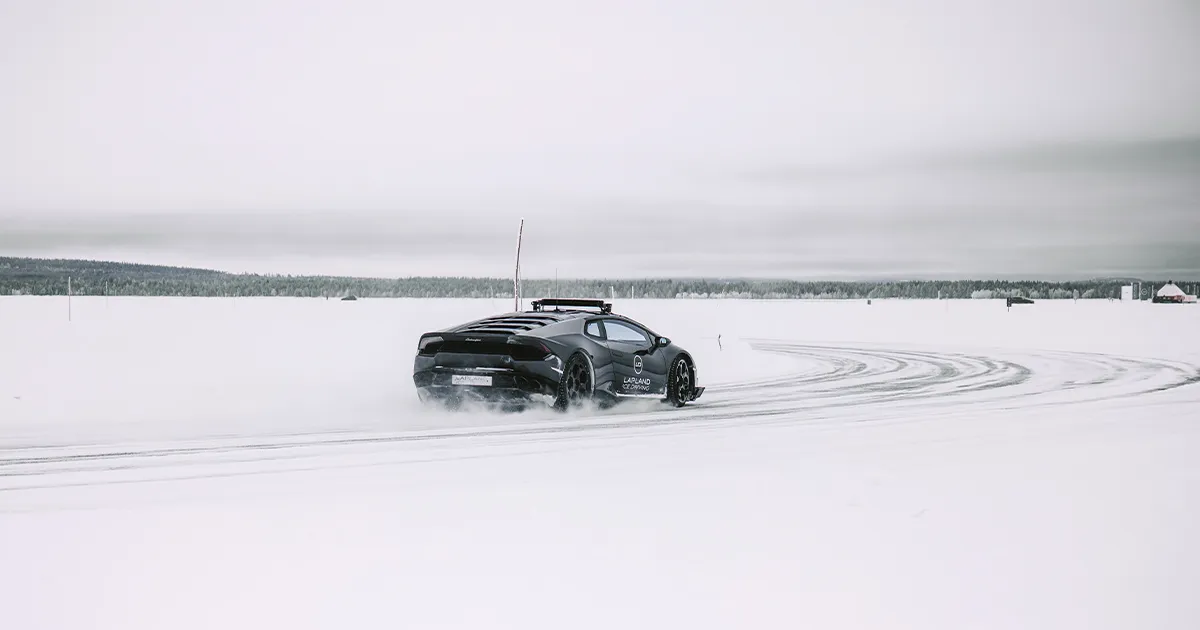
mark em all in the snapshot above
pixel 842 382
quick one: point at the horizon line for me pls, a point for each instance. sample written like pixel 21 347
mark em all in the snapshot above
pixel 730 278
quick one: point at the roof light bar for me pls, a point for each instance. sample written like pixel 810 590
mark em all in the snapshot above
pixel 540 305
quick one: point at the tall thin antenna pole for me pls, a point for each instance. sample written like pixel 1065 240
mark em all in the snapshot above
pixel 517 275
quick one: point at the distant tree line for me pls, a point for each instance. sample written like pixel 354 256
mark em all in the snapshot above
pixel 27 276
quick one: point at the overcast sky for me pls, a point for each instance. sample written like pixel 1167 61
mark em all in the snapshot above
pixel 935 138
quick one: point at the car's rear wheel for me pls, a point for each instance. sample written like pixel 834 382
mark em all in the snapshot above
pixel 577 385
pixel 681 381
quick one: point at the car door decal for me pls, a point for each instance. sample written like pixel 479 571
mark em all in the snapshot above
pixel 635 385
pixel 636 365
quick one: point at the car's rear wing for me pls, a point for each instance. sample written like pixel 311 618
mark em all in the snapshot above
pixel 540 305
pixel 514 345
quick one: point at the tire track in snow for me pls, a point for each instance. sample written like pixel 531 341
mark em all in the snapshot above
pixel 931 379
pixel 841 382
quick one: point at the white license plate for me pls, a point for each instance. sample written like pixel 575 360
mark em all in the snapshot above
pixel 470 379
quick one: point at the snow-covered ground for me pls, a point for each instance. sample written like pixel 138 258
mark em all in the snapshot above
pixel 253 463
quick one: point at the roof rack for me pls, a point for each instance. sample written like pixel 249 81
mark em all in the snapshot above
pixel 539 305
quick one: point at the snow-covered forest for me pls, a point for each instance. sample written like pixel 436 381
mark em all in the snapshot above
pixel 27 276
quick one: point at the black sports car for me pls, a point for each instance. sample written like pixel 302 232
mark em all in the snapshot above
pixel 563 357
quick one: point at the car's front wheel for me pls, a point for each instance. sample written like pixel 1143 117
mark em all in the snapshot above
pixel 681 381
pixel 577 385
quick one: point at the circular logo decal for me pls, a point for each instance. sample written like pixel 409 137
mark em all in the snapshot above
pixel 637 364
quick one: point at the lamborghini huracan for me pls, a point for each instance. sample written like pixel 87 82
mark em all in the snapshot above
pixel 564 353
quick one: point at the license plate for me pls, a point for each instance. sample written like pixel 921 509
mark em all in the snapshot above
pixel 470 379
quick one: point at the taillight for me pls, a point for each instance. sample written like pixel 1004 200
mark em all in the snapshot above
pixel 526 349
pixel 429 345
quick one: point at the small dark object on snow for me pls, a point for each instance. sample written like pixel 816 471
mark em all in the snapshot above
pixel 1019 300
pixel 349 298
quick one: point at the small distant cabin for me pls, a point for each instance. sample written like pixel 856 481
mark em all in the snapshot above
pixel 1170 293
pixel 349 298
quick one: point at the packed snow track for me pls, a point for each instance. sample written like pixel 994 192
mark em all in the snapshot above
pixel 829 383
pixel 199 463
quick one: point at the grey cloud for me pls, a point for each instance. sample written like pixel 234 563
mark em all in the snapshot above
pixel 709 239
pixel 746 137
pixel 1167 156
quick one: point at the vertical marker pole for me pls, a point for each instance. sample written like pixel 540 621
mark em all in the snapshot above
pixel 68 298
pixel 517 274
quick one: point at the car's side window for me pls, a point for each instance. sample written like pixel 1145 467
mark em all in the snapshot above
pixel 620 331
pixel 593 329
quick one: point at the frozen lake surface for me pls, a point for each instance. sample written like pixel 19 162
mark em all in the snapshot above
pixel 251 463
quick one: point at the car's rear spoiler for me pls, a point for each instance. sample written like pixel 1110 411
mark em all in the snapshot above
pixel 432 343
pixel 540 305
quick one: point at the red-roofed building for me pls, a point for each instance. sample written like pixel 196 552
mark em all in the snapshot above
pixel 1170 293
